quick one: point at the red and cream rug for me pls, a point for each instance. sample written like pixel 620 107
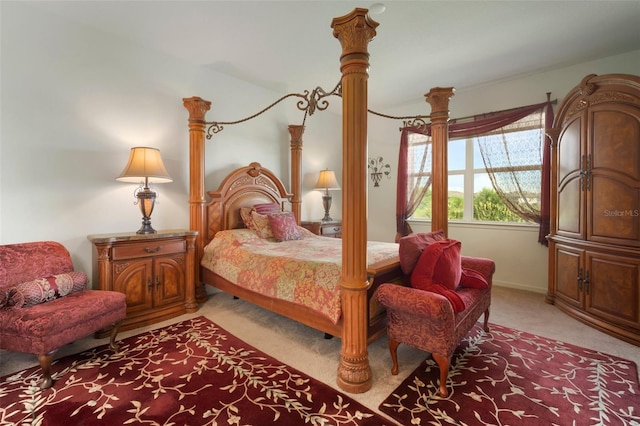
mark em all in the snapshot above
pixel 509 377
pixel 190 373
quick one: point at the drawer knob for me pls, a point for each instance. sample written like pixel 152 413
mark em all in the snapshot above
pixel 149 250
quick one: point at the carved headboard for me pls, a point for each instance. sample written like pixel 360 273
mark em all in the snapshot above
pixel 244 187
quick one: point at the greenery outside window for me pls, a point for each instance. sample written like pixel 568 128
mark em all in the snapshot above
pixel 493 177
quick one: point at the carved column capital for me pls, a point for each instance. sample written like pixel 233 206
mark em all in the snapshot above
pixel 438 98
pixel 197 107
pixel 354 31
pixel 296 131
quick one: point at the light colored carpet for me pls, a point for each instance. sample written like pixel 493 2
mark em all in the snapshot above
pixel 305 349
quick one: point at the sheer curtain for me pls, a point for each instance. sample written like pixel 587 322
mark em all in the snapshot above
pixel 498 161
pixel 414 178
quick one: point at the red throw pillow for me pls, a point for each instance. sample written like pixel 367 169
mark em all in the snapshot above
pixel 265 208
pixel 440 262
pixel 284 226
pixel 411 247
pixel 439 270
pixel 473 279
pixel 43 289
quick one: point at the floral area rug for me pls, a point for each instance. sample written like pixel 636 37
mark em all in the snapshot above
pixel 190 373
pixel 509 377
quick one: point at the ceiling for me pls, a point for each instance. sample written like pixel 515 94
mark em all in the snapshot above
pixel 288 46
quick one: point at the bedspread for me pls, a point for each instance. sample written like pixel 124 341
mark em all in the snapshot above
pixel 306 272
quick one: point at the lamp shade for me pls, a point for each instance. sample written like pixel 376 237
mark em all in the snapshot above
pixel 144 163
pixel 327 180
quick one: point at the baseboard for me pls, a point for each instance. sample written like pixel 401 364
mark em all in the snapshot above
pixel 520 286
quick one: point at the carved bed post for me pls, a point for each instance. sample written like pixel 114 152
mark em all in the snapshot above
pixel 197 108
pixel 354 31
pixel 438 98
pixel 296 132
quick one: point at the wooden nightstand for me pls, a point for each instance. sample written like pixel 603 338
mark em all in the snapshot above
pixel 155 271
pixel 326 229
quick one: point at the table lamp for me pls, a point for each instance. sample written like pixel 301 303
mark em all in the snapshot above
pixel 327 181
pixel 145 166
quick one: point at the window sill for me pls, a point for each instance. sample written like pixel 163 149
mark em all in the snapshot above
pixel 532 227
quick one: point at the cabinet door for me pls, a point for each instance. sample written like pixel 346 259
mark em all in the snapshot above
pixel 569 274
pixel 134 279
pixel 613 290
pixel 613 190
pixel 169 284
pixel 570 194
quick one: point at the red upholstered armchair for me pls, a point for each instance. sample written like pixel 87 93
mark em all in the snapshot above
pixel 44 303
pixel 436 317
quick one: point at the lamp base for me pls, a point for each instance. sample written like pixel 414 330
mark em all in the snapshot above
pixel 146 228
pixel 146 201
pixel 326 203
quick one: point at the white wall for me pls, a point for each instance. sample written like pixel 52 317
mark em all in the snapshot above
pixel 520 261
pixel 75 100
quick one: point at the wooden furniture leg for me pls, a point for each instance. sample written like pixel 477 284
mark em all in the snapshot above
pixel 393 348
pixel 112 340
pixel 45 364
pixel 443 364
pixel 486 320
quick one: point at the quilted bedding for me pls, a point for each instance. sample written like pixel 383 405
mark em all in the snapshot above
pixel 306 271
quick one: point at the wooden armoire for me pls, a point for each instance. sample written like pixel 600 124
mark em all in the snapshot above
pixel 594 243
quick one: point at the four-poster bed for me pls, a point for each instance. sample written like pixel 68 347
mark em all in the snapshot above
pixel 253 184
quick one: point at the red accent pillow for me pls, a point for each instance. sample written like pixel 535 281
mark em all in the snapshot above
pixel 266 208
pixel 473 279
pixel 439 262
pixel 284 226
pixel 411 247
pixel 439 270
pixel 43 289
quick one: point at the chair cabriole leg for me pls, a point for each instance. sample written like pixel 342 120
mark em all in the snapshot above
pixel 393 348
pixel 112 341
pixel 45 364
pixel 443 364
pixel 486 320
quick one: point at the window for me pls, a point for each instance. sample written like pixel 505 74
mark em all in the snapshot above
pixel 493 177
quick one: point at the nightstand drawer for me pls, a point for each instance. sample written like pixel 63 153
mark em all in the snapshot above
pixel 332 231
pixel 148 248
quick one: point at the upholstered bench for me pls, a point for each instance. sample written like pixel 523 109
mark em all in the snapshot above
pixel 448 294
pixel 44 303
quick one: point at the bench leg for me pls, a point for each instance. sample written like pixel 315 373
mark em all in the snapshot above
pixel 443 364
pixel 114 332
pixel 393 349
pixel 486 320
pixel 45 364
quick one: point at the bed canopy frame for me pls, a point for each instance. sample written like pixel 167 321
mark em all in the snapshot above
pixel 354 31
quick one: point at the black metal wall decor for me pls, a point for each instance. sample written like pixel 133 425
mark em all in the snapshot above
pixel 378 169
